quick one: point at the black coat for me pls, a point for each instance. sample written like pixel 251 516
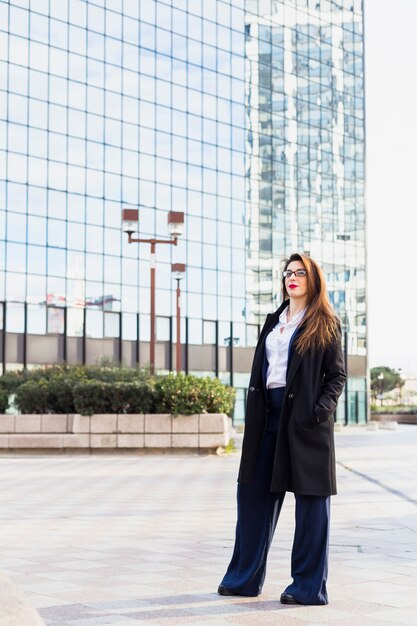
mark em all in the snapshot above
pixel 305 456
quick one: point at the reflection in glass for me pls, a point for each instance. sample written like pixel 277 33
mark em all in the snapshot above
pixel 36 321
pixel 15 317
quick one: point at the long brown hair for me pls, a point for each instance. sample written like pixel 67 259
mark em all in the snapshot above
pixel 320 325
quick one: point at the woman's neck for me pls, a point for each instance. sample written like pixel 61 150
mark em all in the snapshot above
pixel 295 308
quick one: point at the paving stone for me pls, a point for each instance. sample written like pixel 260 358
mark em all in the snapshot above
pixel 145 539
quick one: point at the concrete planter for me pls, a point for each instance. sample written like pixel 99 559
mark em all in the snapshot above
pixel 112 432
pixel 400 418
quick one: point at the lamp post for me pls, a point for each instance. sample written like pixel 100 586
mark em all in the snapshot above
pixel 178 270
pixel 381 383
pixel 400 386
pixel 130 219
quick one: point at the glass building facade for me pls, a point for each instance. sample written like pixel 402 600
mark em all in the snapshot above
pixel 246 115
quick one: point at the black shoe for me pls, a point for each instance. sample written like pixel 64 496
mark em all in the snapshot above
pixel 286 598
pixel 224 591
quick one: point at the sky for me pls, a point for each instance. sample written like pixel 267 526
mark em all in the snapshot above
pixel 391 189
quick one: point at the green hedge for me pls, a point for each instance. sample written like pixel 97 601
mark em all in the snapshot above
pixel 4 400
pixel 186 395
pixel 113 389
pixel 117 397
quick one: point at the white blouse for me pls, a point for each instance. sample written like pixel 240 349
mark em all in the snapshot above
pixel 276 346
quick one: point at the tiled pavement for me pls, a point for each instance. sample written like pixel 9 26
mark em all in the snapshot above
pixel 128 540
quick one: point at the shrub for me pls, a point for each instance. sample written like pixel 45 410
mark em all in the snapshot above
pixel 91 397
pixel 117 397
pixel 60 394
pixel 4 400
pixel 113 389
pixel 132 397
pixel 32 397
pixel 186 395
pixel 10 381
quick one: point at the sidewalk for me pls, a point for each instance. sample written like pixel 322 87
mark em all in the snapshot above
pixel 128 540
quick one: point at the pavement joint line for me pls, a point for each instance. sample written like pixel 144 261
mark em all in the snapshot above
pixel 375 481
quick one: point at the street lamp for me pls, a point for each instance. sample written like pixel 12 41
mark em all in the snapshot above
pixel 400 384
pixel 381 385
pixel 130 219
pixel 178 270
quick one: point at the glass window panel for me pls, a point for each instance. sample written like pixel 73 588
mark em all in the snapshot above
pixel 94 324
pixel 17 167
pixel 56 233
pixel 16 227
pixel 58 173
pixel 94 210
pixel 130 28
pixel 195 334
pixel 38 56
pixel 76 122
pixel 15 287
pixel 193 304
pixel 77 64
pixel 76 236
pixel 239 334
pixel 36 322
pixel 111 325
pixel 75 292
pixel 111 269
pixel 209 332
pixel 95 18
pixel 78 12
pixel 37 259
pixel 252 334
pixel 2 230
pixel 94 239
pixel 37 203
pixel 129 326
pixel 56 262
pixel 57 204
pixel 18 79
pixel 38 145
pixel 75 322
pixel 55 320
pixel 18 50
pixel 130 300
pixel 59 10
pixel 58 33
pixel 38 114
pixel 75 265
pixel 15 317
pixel 94 267
pixel 39 27
pixel 16 257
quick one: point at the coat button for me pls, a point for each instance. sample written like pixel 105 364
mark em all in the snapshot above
pixel 251 388
pixel 290 395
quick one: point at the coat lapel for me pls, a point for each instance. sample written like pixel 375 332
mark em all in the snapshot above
pixel 294 359
pixel 262 364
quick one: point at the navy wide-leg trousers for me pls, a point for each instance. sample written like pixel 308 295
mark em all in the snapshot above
pixel 258 510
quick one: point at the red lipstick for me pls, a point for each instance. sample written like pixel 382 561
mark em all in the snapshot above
pixel 292 286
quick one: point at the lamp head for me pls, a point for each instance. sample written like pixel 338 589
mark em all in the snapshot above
pixel 175 223
pixel 130 220
pixel 178 270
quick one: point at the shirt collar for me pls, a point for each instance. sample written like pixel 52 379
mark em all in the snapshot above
pixel 295 320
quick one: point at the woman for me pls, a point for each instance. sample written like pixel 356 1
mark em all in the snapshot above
pixel 297 377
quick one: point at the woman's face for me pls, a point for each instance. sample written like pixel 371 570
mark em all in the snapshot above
pixel 296 286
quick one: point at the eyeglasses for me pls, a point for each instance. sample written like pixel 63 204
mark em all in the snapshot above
pixel 289 273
